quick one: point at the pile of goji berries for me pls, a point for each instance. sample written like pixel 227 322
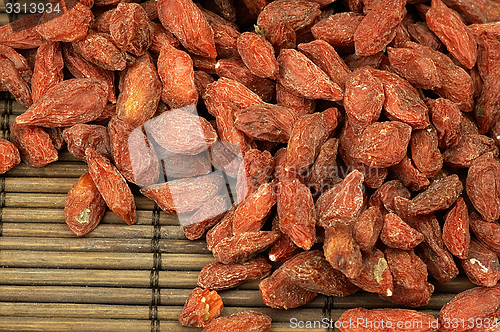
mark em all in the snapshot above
pixel 349 129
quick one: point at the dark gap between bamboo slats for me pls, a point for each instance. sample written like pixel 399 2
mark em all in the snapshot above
pixel 22 324
pixel 73 294
pixel 185 262
pixel 76 260
pixel 74 310
pixel 47 200
pixel 16 107
pixel 53 170
pixel 75 277
pixel 79 244
pixel 172 313
pixel 39 215
pixel 230 297
pixel 123 231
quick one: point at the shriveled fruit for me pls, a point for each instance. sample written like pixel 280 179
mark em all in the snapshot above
pixel 70 102
pixel 247 320
pixel 140 92
pixel 377 28
pixel 296 72
pixel 258 55
pixel 389 316
pixel 201 307
pixel 297 13
pixel 306 138
pixel 338 29
pixel 343 202
pixel 367 228
pixel 205 217
pixel 363 99
pixel 130 28
pixel 383 144
pixel 244 246
pixel 100 49
pixel 82 136
pixel 34 144
pixel 84 206
pixel 48 69
pixel 181 132
pixel 375 276
pixel 252 212
pixel 311 271
pixel 398 234
pixel 218 276
pixel 175 68
pixel 9 155
pixel 280 292
pixel 425 152
pixel 185 20
pixel 297 215
pixel 481 265
pixel 483 187
pixel 342 251
pixel 112 186
pixel 185 195
pixel 12 81
pixel 456 234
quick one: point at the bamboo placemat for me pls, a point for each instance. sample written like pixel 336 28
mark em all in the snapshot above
pixel 118 277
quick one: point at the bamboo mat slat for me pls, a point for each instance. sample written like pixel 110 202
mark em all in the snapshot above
pixel 75 277
pixel 74 294
pixel 61 230
pixel 47 215
pixel 29 324
pixel 75 260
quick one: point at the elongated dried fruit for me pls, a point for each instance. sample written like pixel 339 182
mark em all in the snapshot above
pixel 48 69
pixel 244 246
pixel 477 304
pixel 140 92
pixel 100 49
pixel 297 13
pixel 185 20
pixel 456 234
pixel 388 316
pixel 181 132
pixel 297 74
pixel 9 156
pixel 425 152
pixel 367 228
pixel 311 271
pixel 343 202
pixel 205 217
pixel 297 215
pixel 218 276
pixel 306 138
pixel 375 276
pixel 252 212
pixel 266 122
pixel 70 102
pixel 68 27
pixel 481 265
pixel 483 187
pixel 21 33
pixel 342 251
pixel 11 80
pixel 448 26
pixel 84 206
pixel 280 292
pixel 185 195
pixel 258 55
pixel 201 307
pixel 175 68
pixel 248 320
pixel 398 234
pixel 377 28
pixel 363 99
pixel 130 28
pixel 34 144
pixel 112 186
pixel 82 136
